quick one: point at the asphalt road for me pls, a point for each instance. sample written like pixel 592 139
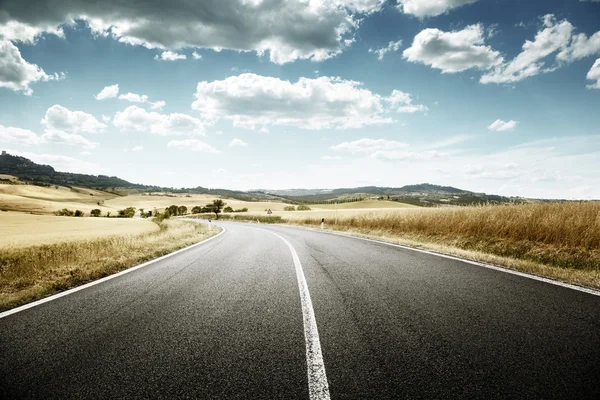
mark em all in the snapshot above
pixel 224 320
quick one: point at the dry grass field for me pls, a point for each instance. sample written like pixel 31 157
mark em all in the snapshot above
pixel 34 272
pixel 46 200
pixel 22 229
pixel 558 240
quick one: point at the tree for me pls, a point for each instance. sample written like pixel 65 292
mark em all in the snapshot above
pixel 196 210
pixel 173 210
pixel 218 205
pixel 303 207
pixel 95 212
pixel 181 210
pixel 228 209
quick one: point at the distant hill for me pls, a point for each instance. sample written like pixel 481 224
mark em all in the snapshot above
pixel 425 194
pixel 45 175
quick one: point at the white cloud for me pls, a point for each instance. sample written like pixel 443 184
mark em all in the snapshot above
pixel 594 75
pixel 500 126
pixel 254 101
pixel 451 141
pixel 137 119
pixel 85 153
pixel 454 51
pixel 70 139
pixel 134 98
pixel 402 103
pixel 192 145
pixel 170 56
pixel 392 46
pixel 137 148
pixel 108 92
pixel 219 132
pixel 368 146
pixel 238 142
pixel 12 135
pixel 17 74
pixel 20 32
pixel 287 29
pixel 105 118
pixel 142 98
pixel 530 62
pixel 430 8
pixel 61 119
pixel 196 56
pixel 157 105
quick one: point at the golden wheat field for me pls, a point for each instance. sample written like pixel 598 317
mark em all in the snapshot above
pixel 22 229
pixel 561 235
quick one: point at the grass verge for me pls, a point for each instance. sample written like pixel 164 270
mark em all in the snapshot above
pixel 31 273
pixel 555 240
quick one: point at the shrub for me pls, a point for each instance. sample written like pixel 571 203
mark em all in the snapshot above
pixel 128 212
pixel 181 210
pixel 65 212
pixel 289 208
pixel 245 209
pixel 95 212
pixel 303 207
pixel 79 213
pixel 228 209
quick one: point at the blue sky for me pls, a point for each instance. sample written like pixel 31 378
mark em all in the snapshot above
pixel 500 96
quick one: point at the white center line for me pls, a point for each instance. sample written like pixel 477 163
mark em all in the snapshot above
pixel 318 388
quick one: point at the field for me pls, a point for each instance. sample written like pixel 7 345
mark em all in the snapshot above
pixel 558 240
pixel 30 273
pixel 46 200
pixel 22 230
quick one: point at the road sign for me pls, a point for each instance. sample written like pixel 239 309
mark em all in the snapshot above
pixel 269 212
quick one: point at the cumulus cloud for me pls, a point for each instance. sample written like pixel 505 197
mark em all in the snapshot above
pixel 454 51
pixel 108 92
pixel 500 125
pixel 137 148
pixel 61 119
pixel 170 56
pixel 192 145
pixel 287 29
pixel 157 105
pixel 136 119
pixel 71 139
pixel 530 62
pixel 402 103
pixel 430 8
pixel 134 98
pixel 253 101
pixel 238 142
pixel 25 137
pixel 594 75
pixel 20 32
pixel 142 98
pixel 392 46
pixel 196 56
pixel 17 74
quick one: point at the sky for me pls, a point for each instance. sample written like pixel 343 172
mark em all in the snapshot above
pixel 495 96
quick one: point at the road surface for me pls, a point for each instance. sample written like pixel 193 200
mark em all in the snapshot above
pixel 225 320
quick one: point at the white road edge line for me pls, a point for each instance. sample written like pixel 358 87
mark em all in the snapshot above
pixel 489 266
pixel 106 278
pixel 318 388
